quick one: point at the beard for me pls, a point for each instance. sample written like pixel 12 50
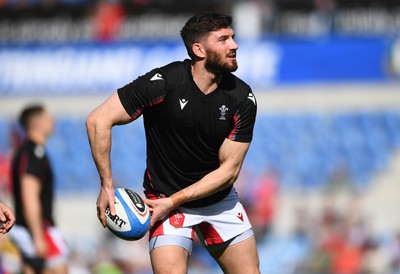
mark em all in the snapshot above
pixel 217 64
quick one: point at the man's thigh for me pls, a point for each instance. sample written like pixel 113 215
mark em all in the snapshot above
pixel 57 269
pixel 169 259
pixel 239 258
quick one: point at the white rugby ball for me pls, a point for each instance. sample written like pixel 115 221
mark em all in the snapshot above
pixel 132 218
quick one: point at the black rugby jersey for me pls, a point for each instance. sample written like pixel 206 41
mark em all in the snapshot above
pixel 185 128
pixel 32 159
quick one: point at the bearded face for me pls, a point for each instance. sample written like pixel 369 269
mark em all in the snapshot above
pixel 221 62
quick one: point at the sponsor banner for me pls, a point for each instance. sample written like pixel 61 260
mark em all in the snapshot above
pixel 78 69
pixel 93 68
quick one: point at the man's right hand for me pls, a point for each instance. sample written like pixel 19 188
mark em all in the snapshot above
pixel 106 199
pixel 41 247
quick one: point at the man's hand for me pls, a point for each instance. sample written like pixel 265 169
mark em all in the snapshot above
pixel 106 199
pixel 7 218
pixel 40 246
pixel 159 208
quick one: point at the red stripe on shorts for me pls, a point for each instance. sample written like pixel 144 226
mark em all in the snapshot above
pixel 158 228
pixel 210 235
pixel 52 248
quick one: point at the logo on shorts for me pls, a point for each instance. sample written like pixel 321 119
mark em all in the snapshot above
pixel 240 216
pixel 176 219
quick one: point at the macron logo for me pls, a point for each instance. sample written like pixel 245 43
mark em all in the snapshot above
pixel 183 103
pixel 157 76
pixel 252 98
pixel 240 216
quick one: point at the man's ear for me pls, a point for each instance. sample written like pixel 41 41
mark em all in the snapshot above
pixel 198 50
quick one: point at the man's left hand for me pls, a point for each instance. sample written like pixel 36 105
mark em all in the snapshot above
pixel 159 209
pixel 7 218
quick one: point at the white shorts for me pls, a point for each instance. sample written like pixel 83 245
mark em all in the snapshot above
pixel 214 224
pixel 57 252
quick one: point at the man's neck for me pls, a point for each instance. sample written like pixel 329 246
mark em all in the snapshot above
pixel 37 137
pixel 205 80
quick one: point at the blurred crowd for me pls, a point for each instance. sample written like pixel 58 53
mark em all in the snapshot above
pixel 109 20
pixel 329 240
pixel 341 243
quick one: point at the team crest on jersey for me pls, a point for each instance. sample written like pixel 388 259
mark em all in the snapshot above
pixel 39 152
pixel 223 109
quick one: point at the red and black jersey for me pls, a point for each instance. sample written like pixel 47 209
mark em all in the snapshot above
pixel 184 127
pixel 32 159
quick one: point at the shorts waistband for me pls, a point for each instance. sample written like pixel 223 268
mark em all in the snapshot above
pixel 153 195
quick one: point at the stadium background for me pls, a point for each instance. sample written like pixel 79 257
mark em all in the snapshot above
pixel 321 181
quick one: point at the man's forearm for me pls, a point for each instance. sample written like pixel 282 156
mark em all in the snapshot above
pixel 33 217
pixel 32 210
pixel 100 144
pixel 231 156
pixel 213 182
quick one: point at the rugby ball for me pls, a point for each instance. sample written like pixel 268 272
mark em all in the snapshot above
pixel 132 218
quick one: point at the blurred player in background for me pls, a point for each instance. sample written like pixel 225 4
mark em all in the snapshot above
pixel 199 121
pixel 7 218
pixel 39 242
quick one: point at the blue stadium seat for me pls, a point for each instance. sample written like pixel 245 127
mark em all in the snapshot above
pixel 4 136
pixel 306 150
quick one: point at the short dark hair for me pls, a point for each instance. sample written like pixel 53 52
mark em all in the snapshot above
pixel 28 113
pixel 200 25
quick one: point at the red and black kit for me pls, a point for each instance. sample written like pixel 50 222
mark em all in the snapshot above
pixel 32 159
pixel 185 128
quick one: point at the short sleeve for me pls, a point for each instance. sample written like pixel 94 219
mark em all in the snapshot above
pixel 145 91
pixel 244 119
pixel 32 162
